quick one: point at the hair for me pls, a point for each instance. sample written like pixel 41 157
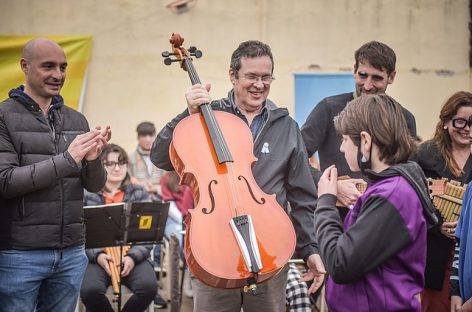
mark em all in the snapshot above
pixel 382 117
pixel 173 180
pixel 250 49
pixel 441 137
pixel 146 128
pixel 378 54
pixel 122 156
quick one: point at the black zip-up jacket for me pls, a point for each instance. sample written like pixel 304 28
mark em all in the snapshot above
pixel 320 136
pixel 41 186
pixel 282 167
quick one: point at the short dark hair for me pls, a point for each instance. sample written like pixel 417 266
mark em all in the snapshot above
pixel 250 49
pixel 382 117
pixel 146 128
pixel 378 54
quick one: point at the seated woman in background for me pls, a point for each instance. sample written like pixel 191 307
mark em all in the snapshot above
pixel 137 271
pixel 446 155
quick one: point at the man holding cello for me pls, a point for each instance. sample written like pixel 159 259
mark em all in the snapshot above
pixel 282 169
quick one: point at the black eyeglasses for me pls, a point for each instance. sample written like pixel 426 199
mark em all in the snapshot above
pixel 113 164
pixel 461 123
pixel 253 78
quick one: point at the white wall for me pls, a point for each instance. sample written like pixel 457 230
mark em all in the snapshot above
pixel 128 82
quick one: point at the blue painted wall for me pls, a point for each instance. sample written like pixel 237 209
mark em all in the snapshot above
pixel 310 89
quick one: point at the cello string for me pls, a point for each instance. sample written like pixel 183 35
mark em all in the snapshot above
pixel 234 191
pixel 230 177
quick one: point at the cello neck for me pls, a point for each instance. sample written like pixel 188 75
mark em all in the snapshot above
pixel 219 144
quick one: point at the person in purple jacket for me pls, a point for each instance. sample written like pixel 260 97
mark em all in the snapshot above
pixel 376 259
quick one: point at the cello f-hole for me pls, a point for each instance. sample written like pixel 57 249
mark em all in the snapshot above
pixel 262 200
pixel 212 198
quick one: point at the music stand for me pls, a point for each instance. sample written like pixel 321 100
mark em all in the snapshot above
pixel 145 222
pixel 104 225
pixel 122 224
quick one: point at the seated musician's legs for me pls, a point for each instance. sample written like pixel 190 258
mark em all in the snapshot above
pixel 298 298
pixel 270 295
pixel 143 283
pixel 94 287
pixel 174 227
pixel 211 299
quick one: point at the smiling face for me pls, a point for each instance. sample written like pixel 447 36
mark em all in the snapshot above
pixel 458 127
pixel 370 80
pixel 251 85
pixel 116 168
pixel 44 64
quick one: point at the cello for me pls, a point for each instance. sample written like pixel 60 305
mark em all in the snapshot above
pixel 237 235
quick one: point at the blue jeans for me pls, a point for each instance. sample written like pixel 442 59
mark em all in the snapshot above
pixel 41 280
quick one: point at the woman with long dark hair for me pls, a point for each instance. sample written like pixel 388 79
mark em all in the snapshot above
pixel 446 155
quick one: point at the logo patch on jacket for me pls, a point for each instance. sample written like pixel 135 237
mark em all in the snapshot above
pixel 265 148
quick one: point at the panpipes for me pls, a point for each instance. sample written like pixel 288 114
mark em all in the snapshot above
pixel 447 197
pixel 361 187
pixel 115 254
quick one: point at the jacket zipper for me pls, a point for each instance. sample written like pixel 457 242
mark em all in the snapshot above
pixel 51 121
pixel 263 128
pixel 23 212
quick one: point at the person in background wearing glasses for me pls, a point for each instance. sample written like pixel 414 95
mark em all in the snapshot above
pixel 374 71
pixel 282 168
pixel 137 270
pixel 446 155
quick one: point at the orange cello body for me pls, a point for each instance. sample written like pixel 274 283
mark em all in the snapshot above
pixel 221 192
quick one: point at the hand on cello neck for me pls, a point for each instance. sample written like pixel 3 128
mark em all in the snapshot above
pixel 197 95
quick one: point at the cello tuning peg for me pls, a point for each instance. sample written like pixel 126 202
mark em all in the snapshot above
pixel 197 53
pixel 169 61
pixel 194 52
pixel 167 54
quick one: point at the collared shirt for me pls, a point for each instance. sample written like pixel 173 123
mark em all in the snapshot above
pixel 116 198
pixel 257 122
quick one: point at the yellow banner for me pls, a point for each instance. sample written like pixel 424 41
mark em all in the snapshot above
pixel 77 49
